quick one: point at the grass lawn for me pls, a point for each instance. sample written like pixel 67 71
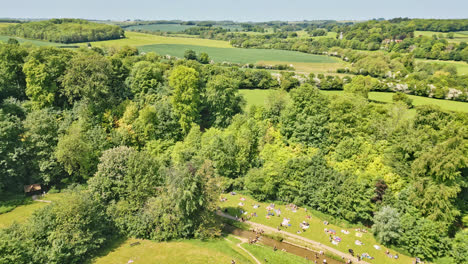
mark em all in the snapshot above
pixel 462 67
pixel 239 55
pixel 184 251
pixel 161 27
pixel 142 39
pixel 255 97
pixel 21 213
pixel 316 230
pixel 279 257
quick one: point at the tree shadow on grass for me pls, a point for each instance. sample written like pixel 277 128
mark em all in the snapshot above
pixel 107 248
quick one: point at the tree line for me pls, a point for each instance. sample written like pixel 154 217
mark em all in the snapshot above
pixel 64 31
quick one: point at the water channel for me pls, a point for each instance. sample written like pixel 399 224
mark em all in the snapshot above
pixel 296 250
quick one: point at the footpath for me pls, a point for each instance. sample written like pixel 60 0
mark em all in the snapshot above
pixel 296 237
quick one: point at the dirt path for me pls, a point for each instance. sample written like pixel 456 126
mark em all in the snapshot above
pixel 243 240
pixel 296 237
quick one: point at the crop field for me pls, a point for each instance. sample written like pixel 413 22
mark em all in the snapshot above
pixel 142 39
pixel 160 27
pixel 258 97
pixel 2 25
pixel 316 229
pixel 238 55
pixel 460 36
pixel 462 67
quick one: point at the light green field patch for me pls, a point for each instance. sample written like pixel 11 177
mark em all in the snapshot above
pixel 255 97
pixel 238 55
pixel 386 97
pixel 23 212
pixel 177 252
pixel 142 39
pixel 462 67
pixel 32 41
pixel 461 36
pixel 2 25
pixel 328 68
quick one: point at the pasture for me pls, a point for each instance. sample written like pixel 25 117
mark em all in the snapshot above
pixel 462 67
pixel 32 41
pixel 141 39
pixel 460 36
pixel 239 55
pixel 258 97
pixel 316 229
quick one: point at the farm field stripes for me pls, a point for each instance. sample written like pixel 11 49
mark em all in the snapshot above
pixel 238 55
pixel 142 39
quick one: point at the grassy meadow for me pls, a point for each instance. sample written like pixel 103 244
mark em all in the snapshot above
pixel 462 67
pixel 258 97
pixel 141 39
pixel 174 252
pixel 32 41
pixel 316 229
pixel 239 55
pixel 460 36
pixel 22 212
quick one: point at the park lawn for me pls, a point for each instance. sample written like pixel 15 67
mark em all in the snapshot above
pixel 240 55
pixel 462 67
pixel 142 39
pixel 183 251
pixel 316 230
pixel 262 252
pixel 21 213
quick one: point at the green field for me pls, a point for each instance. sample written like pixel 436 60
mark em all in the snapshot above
pixel 194 252
pixel 184 251
pixel 257 97
pixel 32 41
pixel 462 67
pixel 160 27
pixel 460 36
pixel 142 39
pixel 316 229
pixel 239 55
pixel 21 213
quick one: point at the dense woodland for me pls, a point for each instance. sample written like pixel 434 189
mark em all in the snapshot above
pixel 64 31
pixel 145 146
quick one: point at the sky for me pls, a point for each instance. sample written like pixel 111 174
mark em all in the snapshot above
pixel 237 10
